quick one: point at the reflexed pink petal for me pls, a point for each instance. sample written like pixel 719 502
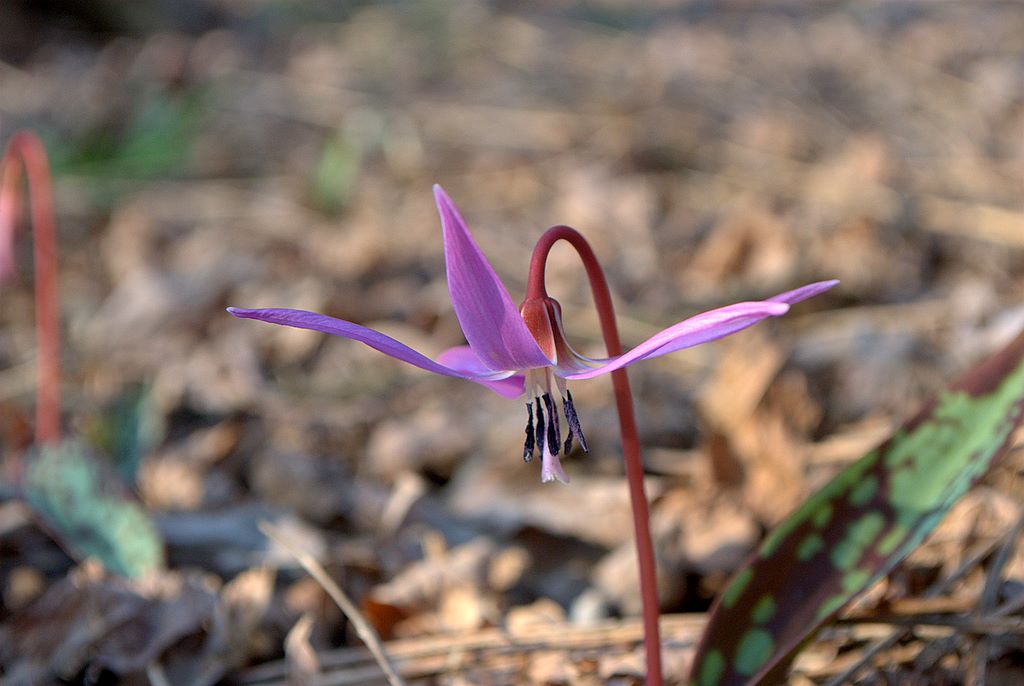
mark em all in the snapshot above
pixel 462 358
pixel 696 330
pixel 301 319
pixel 804 292
pixel 490 320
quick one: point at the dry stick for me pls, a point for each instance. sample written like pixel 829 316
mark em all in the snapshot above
pixel 972 560
pixel 977 674
pixel 424 656
pixel 627 428
pixel 990 592
pixel 26 152
pixel 1012 605
pixel 981 626
pixel 344 603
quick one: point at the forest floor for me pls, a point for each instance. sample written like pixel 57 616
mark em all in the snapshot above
pixel 266 156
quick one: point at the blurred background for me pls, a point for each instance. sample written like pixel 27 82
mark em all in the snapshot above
pixel 262 153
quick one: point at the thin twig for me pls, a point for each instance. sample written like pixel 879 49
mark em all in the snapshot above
pixel 344 603
pixel 1011 606
pixel 846 676
pixel 981 626
pixel 978 666
pixel 427 655
pixel 990 593
pixel 976 672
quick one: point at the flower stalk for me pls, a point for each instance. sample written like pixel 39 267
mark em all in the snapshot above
pixel 627 427
pixel 26 156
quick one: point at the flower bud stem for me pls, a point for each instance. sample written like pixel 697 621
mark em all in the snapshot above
pixel 25 154
pixel 627 426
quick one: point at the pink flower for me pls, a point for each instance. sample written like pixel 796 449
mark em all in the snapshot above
pixel 513 350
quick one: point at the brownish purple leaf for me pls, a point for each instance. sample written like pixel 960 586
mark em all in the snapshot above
pixel 862 524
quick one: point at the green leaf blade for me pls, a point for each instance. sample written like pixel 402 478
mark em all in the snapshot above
pixel 127 429
pixel 858 527
pixel 84 507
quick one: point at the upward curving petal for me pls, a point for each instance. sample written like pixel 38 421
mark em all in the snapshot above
pixel 804 292
pixel 301 319
pixel 489 319
pixel 698 329
pixel 701 328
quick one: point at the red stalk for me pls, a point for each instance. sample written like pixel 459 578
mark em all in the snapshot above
pixel 25 154
pixel 627 426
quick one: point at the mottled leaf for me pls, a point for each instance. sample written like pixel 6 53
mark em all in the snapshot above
pixel 863 523
pixel 84 506
pixel 126 430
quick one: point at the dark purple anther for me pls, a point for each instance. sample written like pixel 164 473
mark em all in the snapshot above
pixel 554 432
pixel 528 446
pixel 573 421
pixel 539 434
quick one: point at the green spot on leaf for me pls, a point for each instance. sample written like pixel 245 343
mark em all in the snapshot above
pixel 822 515
pixel 755 648
pixel 847 552
pixel 763 610
pixel 892 539
pixel 712 669
pixel 736 588
pixel 864 491
pixel 855 580
pixel 830 605
pixel 809 547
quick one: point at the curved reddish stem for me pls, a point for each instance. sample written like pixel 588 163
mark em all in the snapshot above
pixel 25 154
pixel 627 426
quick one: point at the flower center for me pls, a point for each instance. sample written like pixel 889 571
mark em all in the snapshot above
pixel 536 316
pixel 543 318
pixel 543 428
